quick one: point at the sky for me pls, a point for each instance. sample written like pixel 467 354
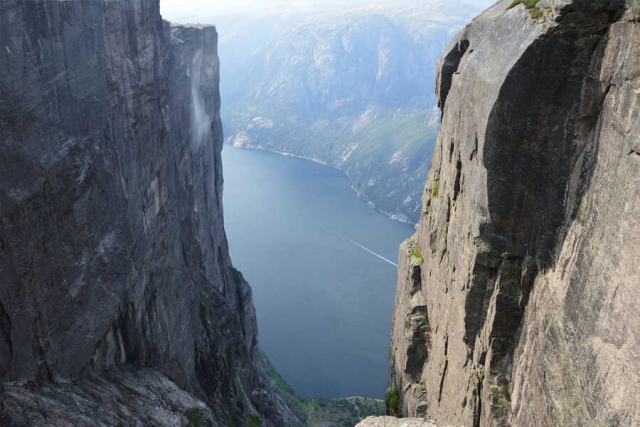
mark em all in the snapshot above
pixel 172 9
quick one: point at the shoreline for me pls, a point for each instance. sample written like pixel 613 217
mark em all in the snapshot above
pixel 391 216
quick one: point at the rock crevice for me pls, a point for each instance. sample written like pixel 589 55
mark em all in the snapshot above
pixel 529 225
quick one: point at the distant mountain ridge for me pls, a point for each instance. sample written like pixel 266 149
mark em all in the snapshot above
pixel 354 90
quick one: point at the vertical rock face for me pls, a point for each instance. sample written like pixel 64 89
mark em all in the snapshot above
pixel 112 248
pixel 517 297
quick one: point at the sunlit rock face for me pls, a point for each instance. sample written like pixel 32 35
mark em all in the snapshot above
pixel 395 422
pixel 113 255
pixel 517 297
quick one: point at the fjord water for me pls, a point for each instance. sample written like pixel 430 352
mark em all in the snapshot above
pixel 319 261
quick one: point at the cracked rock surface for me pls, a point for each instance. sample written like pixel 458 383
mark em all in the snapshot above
pixel 113 255
pixel 529 244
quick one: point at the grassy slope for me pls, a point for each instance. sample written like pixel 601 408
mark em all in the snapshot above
pixel 345 412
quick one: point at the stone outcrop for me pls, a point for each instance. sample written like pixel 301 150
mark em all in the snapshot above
pixel 517 298
pixel 113 255
pixel 395 422
pixel 141 397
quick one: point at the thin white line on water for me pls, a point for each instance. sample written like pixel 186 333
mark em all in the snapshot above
pixel 359 245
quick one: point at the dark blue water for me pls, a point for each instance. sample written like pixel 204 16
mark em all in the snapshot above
pixel 304 241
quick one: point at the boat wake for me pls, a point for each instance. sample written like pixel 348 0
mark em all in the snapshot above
pixel 359 245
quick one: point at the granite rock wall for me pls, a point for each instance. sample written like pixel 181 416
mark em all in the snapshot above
pixel 516 300
pixel 113 254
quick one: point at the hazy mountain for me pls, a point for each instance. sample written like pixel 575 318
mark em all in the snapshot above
pixel 354 90
pixel 202 11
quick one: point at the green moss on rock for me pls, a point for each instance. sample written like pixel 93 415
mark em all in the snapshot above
pixel 195 418
pixel 531 5
pixel 393 400
pixel 237 276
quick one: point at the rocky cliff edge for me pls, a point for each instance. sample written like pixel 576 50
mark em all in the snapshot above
pixel 517 297
pixel 119 304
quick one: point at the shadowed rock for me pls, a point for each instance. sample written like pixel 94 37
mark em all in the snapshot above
pixel 113 254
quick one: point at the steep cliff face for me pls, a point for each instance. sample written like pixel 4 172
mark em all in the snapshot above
pixel 113 251
pixel 517 297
